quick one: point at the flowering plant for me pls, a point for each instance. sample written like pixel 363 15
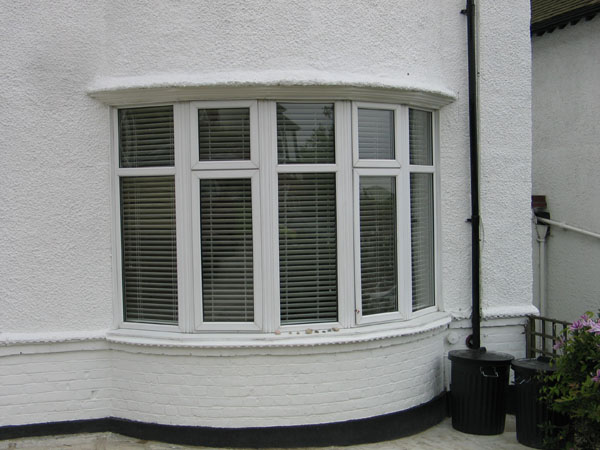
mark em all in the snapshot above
pixel 573 390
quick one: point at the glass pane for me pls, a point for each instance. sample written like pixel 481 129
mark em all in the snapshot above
pixel 224 134
pixel 146 137
pixel 307 248
pixel 421 141
pixel 149 249
pixel 227 261
pixel 421 234
pixel 378 249
pixel 305 133
pixel 375 134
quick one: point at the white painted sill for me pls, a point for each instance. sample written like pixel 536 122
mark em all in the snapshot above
pixel 296 338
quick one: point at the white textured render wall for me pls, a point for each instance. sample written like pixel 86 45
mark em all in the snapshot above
pixel 566 161
pixel 55 189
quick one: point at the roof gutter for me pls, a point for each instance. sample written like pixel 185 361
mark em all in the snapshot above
pixel 562 20
pixel 474 340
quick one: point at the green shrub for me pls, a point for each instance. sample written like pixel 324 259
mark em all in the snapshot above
pixel 573 390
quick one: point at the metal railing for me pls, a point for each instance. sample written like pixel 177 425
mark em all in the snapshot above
pixel 541 335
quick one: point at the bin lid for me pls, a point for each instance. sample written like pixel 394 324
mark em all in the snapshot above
pixel 532 366
pixel 480 357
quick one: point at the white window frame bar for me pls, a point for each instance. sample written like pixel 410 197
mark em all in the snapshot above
pixel 252 163
pixel 200 325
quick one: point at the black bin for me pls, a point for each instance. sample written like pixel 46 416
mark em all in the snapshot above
pixel 531 414
pixel 478 390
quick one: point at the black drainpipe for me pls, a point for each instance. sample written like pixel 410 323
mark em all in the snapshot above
pixel 474 340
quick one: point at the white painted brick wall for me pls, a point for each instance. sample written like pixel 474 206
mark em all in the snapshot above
pixel 47 387
pixel 281 389
pixel 237 387
pixel 234 388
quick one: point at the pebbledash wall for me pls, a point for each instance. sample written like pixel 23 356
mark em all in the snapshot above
pixel 566 63
pixel 65 63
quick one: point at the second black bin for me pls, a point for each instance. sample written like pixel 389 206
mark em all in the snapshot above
pixel 531 413
pixel 478 389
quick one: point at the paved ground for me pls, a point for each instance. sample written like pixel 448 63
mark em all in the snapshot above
pixel 442 436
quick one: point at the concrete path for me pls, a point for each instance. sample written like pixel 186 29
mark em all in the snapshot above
pixel 442 436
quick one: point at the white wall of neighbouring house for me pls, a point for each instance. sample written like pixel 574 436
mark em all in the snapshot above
pixel 56 276
pixel 566 159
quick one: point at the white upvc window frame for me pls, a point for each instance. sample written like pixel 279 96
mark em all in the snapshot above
pixel 263 169
pixel 200 325
pixel 385 168
pixel 341 169
pixel 252 163
pixel 432 169
pixel 116 173
pixel 226 169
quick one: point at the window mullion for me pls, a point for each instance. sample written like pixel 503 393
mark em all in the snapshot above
pixel 403 205
pixel 267 137
pixel 118 295
pixel 346 253
pixel 183 181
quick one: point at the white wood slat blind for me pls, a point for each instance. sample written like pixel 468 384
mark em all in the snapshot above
pixel 146 137
pixel 224 134
pixel 227 250
pixel 307 248
pixel 422 254
pixel 376 134
pixel 148 246
pixel 378 247
pixel 421 145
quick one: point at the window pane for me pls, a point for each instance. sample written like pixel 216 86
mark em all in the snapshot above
pixel 305 133
pixel 224 134
pixel 307 248
pixel 227 261
pixel 149 249
pixel 378 250
pixel 375 134
pixel 146 137
pixel 421 141
pixel 421 233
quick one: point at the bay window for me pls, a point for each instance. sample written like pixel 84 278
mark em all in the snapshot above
pixel 264 215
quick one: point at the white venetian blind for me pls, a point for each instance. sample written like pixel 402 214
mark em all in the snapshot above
pixel 375 134
pixel 305 133
pixel 149 252
pixel 307 247
pixel 421 145
pixel 146 137
pixel 227 251
pixel 421 234
pixel 378 249
pixel 224 134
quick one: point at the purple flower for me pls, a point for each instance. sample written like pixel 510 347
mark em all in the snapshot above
pixel 560 342
pixel 597 377
pixel 594 328
pixel 577 325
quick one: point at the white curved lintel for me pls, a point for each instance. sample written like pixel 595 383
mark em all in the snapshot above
pixel 269 85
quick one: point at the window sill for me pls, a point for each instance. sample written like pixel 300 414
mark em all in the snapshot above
pixel 306 338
